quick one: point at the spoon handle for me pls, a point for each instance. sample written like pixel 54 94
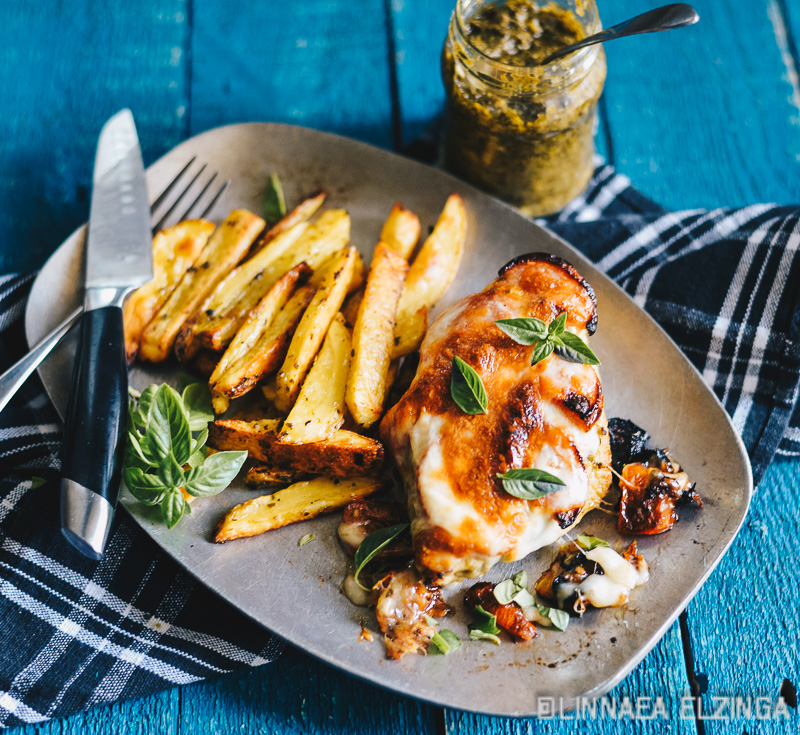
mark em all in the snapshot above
pixel 664 18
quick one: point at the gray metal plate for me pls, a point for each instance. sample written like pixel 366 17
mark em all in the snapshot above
pixel 294 591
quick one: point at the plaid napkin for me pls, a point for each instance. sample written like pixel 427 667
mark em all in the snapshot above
pixel 75 633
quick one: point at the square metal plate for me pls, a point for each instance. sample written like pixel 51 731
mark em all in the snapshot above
pixel 294 591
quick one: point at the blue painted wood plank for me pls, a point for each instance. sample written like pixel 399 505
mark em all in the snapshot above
pixel 298 695
pixel 63 72
pixel 703 116
pixel 744 622
pixel 316 63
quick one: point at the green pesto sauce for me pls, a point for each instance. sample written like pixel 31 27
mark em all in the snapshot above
pixel 533 149
pixel 519 33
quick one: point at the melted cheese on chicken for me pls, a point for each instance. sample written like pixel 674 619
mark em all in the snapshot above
pixel 548 416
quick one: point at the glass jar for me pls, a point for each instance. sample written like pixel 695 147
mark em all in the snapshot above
pixel 515 129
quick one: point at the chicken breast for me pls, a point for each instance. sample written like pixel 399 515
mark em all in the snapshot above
pixel 547 416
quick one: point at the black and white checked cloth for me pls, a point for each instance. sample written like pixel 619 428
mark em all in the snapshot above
pixel 76 633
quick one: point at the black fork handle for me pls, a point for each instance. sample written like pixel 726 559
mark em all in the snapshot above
pixel 94 431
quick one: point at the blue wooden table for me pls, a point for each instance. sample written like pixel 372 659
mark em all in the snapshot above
pixel 708 116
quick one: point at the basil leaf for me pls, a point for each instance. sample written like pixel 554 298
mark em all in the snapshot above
pixel 575 349
pixel 199 450
pixel 542 351
pixel 147 488
pixel 168 427
pixel 170 472
pixel 521 579
pixel 173 507
pixel 274 201
pixel 134 454
pixel 559 619
pixel 444 640
pixel 146 400
pixel 484 621
pixel 525 330
pixel 215 474
pixel 467 389
pixel 197 403
pixel 523 598
pixel 504 592
pixel 587 543
pixel 558 325
pixel 307 539
pixel 373 544
pixel 37 482
pixel 476 634
pixel 530 484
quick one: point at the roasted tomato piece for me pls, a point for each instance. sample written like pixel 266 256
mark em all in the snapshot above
pixel 509 617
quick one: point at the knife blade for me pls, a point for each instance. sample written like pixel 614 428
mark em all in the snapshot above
pixel 118 259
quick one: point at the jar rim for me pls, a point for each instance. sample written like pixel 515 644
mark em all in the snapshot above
pixel 575 58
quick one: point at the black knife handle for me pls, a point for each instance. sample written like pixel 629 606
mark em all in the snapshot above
pixel 94 431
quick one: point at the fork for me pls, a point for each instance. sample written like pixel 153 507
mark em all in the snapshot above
pixel 13 378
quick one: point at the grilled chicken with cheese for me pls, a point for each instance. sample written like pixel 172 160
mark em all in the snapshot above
pixel 547 416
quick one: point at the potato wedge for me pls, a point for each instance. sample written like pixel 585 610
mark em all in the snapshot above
pixel 214 324
pixel 301 213
pixel 226 247
pixel 345 454
pixel 436 264
pixel 313 326
pixel 263 476
pixel 261 343
pixel 409 333
pixel 373 336
pixel 350 307
pixel 319 409
pixel 298 502
pixel 174 250
pixel 401 230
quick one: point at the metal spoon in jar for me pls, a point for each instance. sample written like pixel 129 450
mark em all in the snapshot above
pixel 664 18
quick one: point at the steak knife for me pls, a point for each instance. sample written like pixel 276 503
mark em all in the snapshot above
pixel 118 259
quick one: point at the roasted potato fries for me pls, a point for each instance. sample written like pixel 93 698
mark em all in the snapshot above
pixel 261 343
pixel 345 454
pixel 302 212
pixel 313 326
pixel 319 409
pixel 298 502
pixel 226 247
pixel 401 231
pixel 436 264
pixel 174 251
pixel 262 476
pixel 373 336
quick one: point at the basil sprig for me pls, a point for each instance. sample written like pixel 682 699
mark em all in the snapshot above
pixel 514 590
pixel 166 450
pixel 274 201
pixel 587 543
pixel 307 539
pixel 548 339
pixel 530 484
pixel 444 641
pixel 373 544
pixel 466 388
pixel 559 619
pixel 484 626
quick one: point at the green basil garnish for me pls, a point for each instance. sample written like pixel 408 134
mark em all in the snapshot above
pixel 530 484
pixel 445 641
pixel 307 539
pixel 166 450
pixel 514 590
pixel 467 389
pixel 274 201
pixel 548 339
pixel 484 626
pixel 559 619
pixel 373 544
pixel 587 543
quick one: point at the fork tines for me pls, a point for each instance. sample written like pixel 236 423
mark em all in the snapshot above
pixel 203 190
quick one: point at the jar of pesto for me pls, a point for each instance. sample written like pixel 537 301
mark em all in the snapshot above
pixel 514 128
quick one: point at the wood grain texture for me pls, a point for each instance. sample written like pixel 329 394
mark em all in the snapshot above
pixel 315 63
pixel 65 69
pixel 744 621
pixel 703 116
pixel 298 695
